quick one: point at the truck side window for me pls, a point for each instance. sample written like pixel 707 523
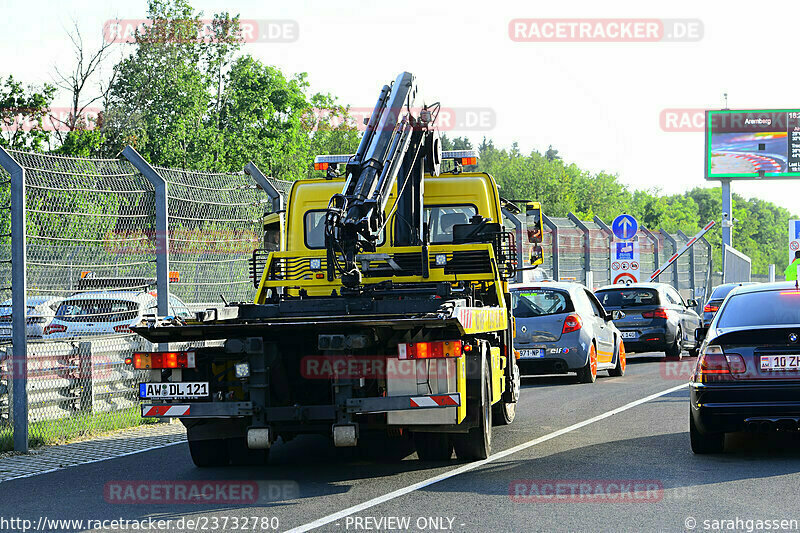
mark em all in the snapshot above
pixel 315 229
pixel 441 220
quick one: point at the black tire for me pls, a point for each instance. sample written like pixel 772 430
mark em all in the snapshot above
pixel 209 452
pixel 586 374
pixel 241 455
pixel 703 443
pixel 504 413
pixel 433 446
pixel 694 352
pixel 477 444
pixel 673 351
pixel 619 369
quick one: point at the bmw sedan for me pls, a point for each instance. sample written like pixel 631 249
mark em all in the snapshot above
pixel 657 319
pixel 561 328
pixel 748 372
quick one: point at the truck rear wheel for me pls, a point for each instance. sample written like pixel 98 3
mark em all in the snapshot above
pixel 503 413
pixel 433 446
pixel 209 452
pixel 477 444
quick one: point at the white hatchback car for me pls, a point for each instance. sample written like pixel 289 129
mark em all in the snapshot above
pixel 106 313
pixel 40 312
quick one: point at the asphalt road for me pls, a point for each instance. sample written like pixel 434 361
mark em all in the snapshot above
pixel 618 463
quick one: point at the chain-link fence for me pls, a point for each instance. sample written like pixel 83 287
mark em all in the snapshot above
pixel 92 259
pixel 572 247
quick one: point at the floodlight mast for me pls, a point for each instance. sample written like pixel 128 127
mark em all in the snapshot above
pixel 399 139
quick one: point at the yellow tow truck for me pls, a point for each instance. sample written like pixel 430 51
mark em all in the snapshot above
pixel 382 309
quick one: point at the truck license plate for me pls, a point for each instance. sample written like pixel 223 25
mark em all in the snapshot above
pixel 173 391
pixel 535 352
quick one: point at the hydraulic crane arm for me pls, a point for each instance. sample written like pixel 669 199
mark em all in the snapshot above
pixel 400 137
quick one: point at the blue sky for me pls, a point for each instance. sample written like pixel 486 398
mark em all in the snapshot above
pixel 598 103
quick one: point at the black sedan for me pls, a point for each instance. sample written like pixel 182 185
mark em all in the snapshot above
pixel 748 372
pixel 657 319
pixel 715 300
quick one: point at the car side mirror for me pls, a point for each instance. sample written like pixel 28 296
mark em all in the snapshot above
pixel 617 315
pixel 700 334
pixel 691 303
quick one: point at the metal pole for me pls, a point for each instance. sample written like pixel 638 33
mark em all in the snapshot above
pixel 709 273
pixel 683 236
pixel 587 252
pixel 603 226
pixel 19 297
pixel 262 181
pixel 552 225
pixel 727 208
pixel 772 273
pixel 676 281
pixel 162 226
pixel 655 242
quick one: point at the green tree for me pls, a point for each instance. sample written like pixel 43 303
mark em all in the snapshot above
pixel 22 114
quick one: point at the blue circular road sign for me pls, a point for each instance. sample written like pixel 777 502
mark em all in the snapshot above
pixel 625 227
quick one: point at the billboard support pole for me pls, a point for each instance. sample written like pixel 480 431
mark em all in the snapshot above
pixel 727 207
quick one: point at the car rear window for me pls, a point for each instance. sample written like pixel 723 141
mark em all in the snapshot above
pixel 97 310
pixel 528 303
pixel 721 292
pixel 621 298
pixel 766 308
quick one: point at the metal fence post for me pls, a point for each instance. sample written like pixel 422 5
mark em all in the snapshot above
pixel 261 180
pixel 683 236
pixel 552 225
pixel 676 280
pixel 162 226
pixel 587 251
pixel 610 233
pixel 19 366
pixel 654 240
pixel 86 375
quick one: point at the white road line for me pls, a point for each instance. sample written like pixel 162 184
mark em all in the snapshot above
pixel 477 464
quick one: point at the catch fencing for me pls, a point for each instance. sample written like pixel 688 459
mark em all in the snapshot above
pixel 97 243
pixel 572 248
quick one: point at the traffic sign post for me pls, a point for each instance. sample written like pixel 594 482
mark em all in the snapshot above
pixel 625 227
pixel 625 267
pixel 794 238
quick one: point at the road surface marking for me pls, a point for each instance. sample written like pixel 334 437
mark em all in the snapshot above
pixel 477 464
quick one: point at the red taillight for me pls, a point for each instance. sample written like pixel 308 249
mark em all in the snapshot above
pixel 658 312
pixel 714 365
pixel 146 360
pixel 572 323
pixel 123 329
pixel 711 308
pixel 429 350
pixel 54 328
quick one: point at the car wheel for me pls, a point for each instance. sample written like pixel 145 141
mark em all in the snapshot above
pixel 209 452
pixel 694 352
pixel 588 374
pixel 674 350
pixel 703 443
pixel 619 369
pixel 477 444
